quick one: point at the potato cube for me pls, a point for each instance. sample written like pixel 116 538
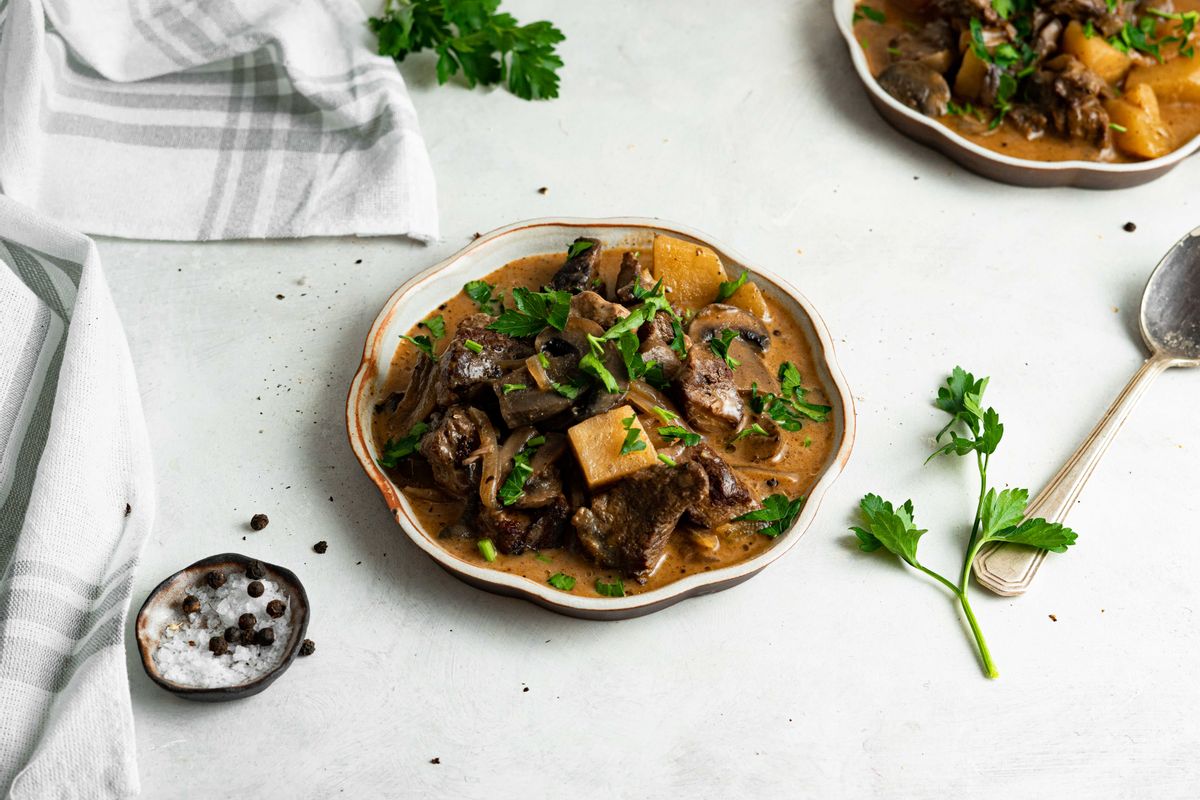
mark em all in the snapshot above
pixel 690 272
pixel 968 83
pixel 750 297
pixel 1141 131
pixel 1176 81
pixel 1096 53
pixel 597 443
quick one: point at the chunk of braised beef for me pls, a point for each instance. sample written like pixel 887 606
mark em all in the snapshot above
pixel 632 274
pixel 452 437
pixel 727 497
pixel 657 336
pixel 708 392
pixel 462 370
pixel 579 271
pixel 965 10
pixel 1070 96
pixel 627 527
pixel 918 86
pixel 589 305
pixel 1107 19
pixel 521 407
pixel 514 531
pixel 934 44
pixel 1029 121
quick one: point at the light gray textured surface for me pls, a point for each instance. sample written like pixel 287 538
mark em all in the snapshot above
pixel 832 673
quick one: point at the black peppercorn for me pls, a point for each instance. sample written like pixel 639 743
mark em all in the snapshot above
pixel 307 647
pixel 191 604
pixel 275 608
pixel 247 637
pixel 1129 227
pixel 215 579
pixel 255 570
pixel 265 636
pixel 232 633
pixel 247 621
pixel 218 646
pixel 258 522
pixel 321 546
pixel 255 589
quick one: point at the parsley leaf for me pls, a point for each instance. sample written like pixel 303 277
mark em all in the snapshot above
pixel 472 37
pixel 513 488
pixel 422 342
pixel 666 416
pixel 481 293
pixel 533 312
pixel 570 390
pixel 614 589
pixel 753 430
pixel 579 246
pixel 866 12
pixel 670 432
pixel 638 367
pixel 888 527
pixel 720 346
pixel 398 449
pixel 728 289
pixel 560 581
pixel 1039 533
pixel 777 510
pixel 633 437
pixel 509 388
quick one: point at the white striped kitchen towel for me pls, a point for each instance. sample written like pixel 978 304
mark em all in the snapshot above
pixel 208 119
pixel 76 503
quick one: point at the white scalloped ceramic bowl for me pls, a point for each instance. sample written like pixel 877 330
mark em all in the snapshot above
pixel 990 164
pixel 412 302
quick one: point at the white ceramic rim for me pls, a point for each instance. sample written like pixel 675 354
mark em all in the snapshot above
pixel 843 12
pixel 358 421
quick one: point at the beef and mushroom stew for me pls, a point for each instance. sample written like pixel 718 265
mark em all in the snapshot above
pixel 1045 80
pixel 606 420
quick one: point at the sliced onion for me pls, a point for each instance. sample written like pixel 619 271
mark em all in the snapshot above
pixel 538 373
pixel 489 479
pixel 645 397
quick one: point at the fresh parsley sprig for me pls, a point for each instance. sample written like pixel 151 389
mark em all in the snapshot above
pixel 472 37
pixel 999 516
pixel 533 313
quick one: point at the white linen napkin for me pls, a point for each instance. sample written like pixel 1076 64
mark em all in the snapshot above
pixel 76 503
pixel 190 120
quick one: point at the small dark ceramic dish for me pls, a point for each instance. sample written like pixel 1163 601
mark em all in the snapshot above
pixel 162 607
pixel 988 163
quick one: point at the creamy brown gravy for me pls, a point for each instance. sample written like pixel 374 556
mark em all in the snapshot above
pixel 1182 119
pixel 798 470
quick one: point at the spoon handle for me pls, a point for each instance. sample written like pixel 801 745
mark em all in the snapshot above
pixel 1008 569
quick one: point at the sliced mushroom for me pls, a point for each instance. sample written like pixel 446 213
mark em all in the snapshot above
pixel 592 306
pixel 755 448
pixel 717 317
pixel 753 370
pixel 918 86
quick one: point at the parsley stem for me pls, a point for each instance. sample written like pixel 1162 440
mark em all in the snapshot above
pixel 972 548
pixel 936 577
pixel 989 666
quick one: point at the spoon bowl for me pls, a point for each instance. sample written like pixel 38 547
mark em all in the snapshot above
pixel 1170 315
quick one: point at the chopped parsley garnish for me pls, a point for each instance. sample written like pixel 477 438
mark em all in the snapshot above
pixel 560 581
pixel 653 301
pixel 728 289
pixel 1118 128
pixel 487 549
pixel 422 342
pixel 397 449
pixel 638 367
pixel 544 360
pixel 473 346
pixel 753 430
pixel 533 312
pixel 614 589
pixel 545 559
pixel 777 510
pixel 720 346
pixel 680 433
pixel 436 326
pixel 678 344
pixel 788 409
pixel 633 437
pixel 514 485
pixel 592 365
pixel 487 45
pixel 570 390
pixel 578 247
pixel 666 459
pixel 666 416
pixel 866 12
pixel 509 388
pixel 481 293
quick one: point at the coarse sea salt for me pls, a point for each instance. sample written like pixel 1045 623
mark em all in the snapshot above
pixel 183 656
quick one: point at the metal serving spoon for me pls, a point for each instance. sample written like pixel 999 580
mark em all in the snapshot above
pixel 1170 323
